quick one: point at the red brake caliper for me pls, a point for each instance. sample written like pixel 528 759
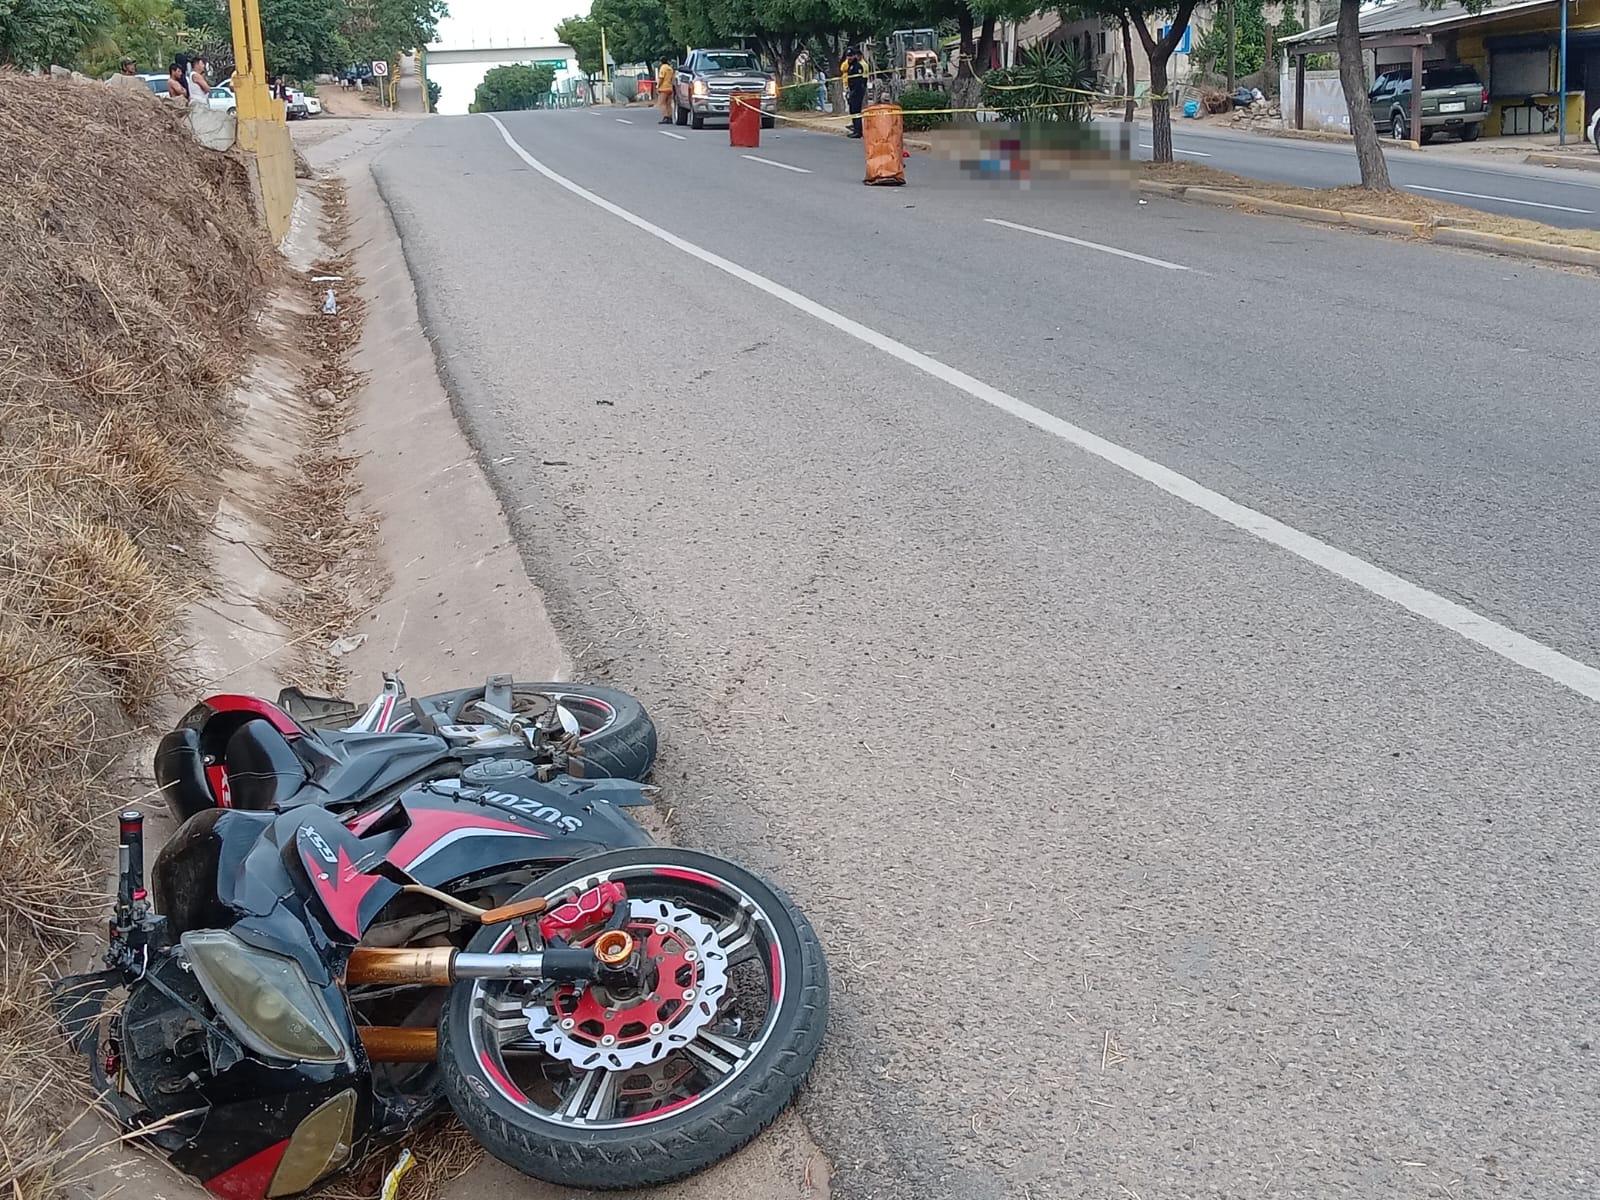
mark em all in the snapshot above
pixel 578 921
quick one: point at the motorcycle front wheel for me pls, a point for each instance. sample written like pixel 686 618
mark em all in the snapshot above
pixel 588 1090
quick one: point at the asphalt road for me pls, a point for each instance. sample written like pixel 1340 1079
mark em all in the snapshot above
pixel 1556 196
pixel 1158 852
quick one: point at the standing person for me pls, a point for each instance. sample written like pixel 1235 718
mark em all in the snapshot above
pixel 177 85
pixel 127 78
pixel 199 85
pixel 665 76
pixel 854 71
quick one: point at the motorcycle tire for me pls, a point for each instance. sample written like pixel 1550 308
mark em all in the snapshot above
pixel 624 743
pixel 661 1137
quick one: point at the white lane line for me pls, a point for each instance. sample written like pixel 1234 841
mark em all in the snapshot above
pixel 1417 187
pixel 1175 150
pixel 622 120
pixel 1447 614
pixel 783 166
pixel 666 133
pixel 1061 237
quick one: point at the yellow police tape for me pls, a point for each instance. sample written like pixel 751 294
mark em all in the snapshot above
pixel 813 118
pixel 995 87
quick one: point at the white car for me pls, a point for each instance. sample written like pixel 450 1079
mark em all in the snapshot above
pixel 222 99
pixel 313 105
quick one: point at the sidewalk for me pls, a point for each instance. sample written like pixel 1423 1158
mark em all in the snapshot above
pixel 1539 149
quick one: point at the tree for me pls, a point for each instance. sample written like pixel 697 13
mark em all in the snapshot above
pixel 39 33
pixel 1353 82
pixel 583 35
pixel 301 37
pixel 1250 42
pixel 148 31
pixel 1159 51
pixel 514 88
pixel 636 30
pixel 384 29
pixel 1127 66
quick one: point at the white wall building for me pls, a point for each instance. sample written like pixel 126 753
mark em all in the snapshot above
pixel 481 34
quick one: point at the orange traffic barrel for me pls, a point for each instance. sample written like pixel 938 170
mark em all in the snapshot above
pixel 744 120
pixel 883 130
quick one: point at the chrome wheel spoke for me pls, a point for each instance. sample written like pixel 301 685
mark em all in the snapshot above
pixel 737 939
pixel 717 1054
pixel 593 1097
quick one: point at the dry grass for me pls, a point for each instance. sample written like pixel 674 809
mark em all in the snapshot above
pixel 443 1151
pixel 1403 206
pixel 320 540
pixel 132 261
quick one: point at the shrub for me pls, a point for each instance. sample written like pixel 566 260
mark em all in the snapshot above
pixel 914 100
pixel 1051 84
pixel 798 97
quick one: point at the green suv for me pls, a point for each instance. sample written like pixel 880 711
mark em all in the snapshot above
pixel 1454 100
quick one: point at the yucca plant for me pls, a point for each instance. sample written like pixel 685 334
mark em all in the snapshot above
pixel 1052 83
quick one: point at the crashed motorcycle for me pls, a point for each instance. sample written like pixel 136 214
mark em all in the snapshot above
pixel 337 754
pixel 299 987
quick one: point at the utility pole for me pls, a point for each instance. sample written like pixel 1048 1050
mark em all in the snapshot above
pixel 605 65
pixel 1233 40
pixel 1561 82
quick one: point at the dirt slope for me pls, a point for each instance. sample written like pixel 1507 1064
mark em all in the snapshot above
pixel 133 259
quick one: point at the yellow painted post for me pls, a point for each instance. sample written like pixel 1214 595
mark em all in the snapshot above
pixel 262 131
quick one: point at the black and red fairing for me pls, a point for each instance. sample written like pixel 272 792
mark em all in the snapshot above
pixel 441 832
pixel 305 884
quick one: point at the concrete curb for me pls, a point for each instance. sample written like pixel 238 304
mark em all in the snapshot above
pixel 1571 161
pixel 1444 234
pixel 1575 256
pixel 1327 135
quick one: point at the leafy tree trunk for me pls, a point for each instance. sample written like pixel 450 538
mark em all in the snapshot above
pixel 1160 111
pixel 985 49
pixel 965 88
pixel 1159 51
pixel 1128 73
pixel 1353 79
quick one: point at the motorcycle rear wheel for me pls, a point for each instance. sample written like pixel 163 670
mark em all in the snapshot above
pixel 694 1105
pixel 619 738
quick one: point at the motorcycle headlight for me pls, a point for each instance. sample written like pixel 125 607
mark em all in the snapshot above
pixel 265 999
pixel 772 87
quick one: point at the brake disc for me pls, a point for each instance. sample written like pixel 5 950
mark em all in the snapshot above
pixel 587 1028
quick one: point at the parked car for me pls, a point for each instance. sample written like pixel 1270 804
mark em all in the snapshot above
pixel 1454 100
pixel 708 77
pixel 313 106
pixel 222 98
pixel 156 83
pixel 294 105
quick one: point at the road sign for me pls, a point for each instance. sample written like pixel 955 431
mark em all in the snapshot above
pixel 379 67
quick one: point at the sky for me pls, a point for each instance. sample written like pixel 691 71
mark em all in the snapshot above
pixel 505 22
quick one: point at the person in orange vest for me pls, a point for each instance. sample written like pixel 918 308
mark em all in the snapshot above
pixel 853 70
pixel 664 77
